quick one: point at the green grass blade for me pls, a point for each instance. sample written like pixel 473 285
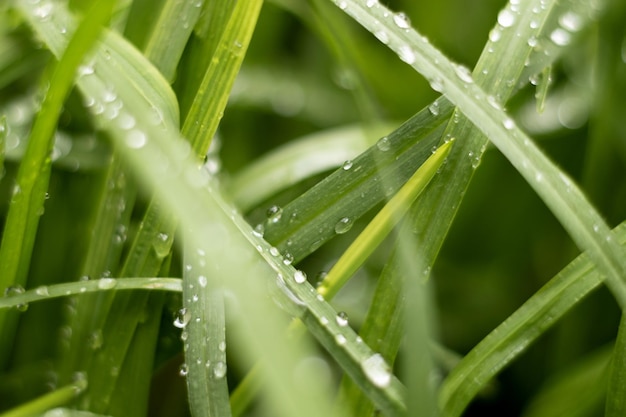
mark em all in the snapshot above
pixel 382 224
pixel 55 398
pixel 173 29
pixel 34 173
pixel 205 341
pixel 561 195
pixel 48 292
pixel 522 328
pixel 298 160
pixel 351 191
pixel 209 103
pixel 616 398
pixel 3 144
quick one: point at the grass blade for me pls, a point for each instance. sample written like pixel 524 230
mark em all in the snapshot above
pixel 565 200
pixel 382 224
pixel 298 160
pixel 34 173
pixel 55 398
pixel 616 400
pixel 521 329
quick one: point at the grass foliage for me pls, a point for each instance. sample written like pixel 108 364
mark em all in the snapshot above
pixel 312 207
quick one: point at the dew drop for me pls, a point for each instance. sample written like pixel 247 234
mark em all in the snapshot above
pixel 383 144
pixel 463 73
pixel 219 370
pixel 347 165
pixel 560 37
pixel 162 245
pixel 287 258
pixel 107 283
pixel 508 123
pixel 437 84
pixel 434 109
pixel 406 54
pixel 42 290
pixel 377 370
pixel 14 290
pixel 343 225
pixel 183 370
pixel 222 346
pixel 402 20
pixel 532 41
pixel 571 21
pixel 96 339
pixel 87 69
pixel 340 339
pixel 299 276
pixel 506 18
pixel 136 139
pixel 342 319
pixel 274 213
pixel 182 318
pixel 382 36
pixel 370 3
pixel 495 35
pixel 343 5
pixel 274 251
pixel 202 280
pixel 126 121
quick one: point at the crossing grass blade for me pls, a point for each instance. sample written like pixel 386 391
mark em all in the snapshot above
pixel 513 336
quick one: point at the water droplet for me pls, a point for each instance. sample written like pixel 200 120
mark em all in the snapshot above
pixel 202 281
pixel 371 3
pixel 42 290
pixel 136 139
pixel 299 276
pixel 95 339
pixel 274 213
pixel 383 144
pixel 506 18
pixel 495 35
pixel 182 318
pixel 222 346
pixel 464 73
pixel 532 41
pixel 560 37
pixel 347 165
pixel 183 370
pixel 343 225
pixel 382 36
pixel 377 370
pixel 434 109
pixel 340 339
pixel 274 251
pixel 571 21
pixel 126 121
pixel 162 244
pixel 14 290
pixel 436 84
pixel 508 123
pixel 43 11
pixel 219 370
pixel 287 258
pixel 87 69
pixel 406 54
pixel 343 5
pixel 342 319
pixel 107 283
pixel 402 20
